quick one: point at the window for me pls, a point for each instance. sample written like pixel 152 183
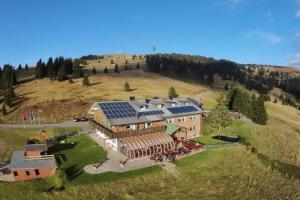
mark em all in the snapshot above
pixel 192 128
pixel 169 120
pixel 182 119
pixel 27 173
pixel 16 173
pixel 132 126
pixel 193 117
pixel 37 172
pixel 148 125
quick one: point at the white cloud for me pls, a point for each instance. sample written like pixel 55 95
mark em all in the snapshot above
pixel 297 14
pixel 269 37
pixel 270 15
pixel 235 2
pixel 294 60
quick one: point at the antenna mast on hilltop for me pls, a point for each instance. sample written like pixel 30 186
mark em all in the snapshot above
pixel 154 47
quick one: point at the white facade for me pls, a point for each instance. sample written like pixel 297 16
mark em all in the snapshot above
pixel 113 143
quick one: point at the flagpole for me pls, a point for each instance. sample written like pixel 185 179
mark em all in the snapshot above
pixel 23 118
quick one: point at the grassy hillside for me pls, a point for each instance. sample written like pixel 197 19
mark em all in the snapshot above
pixel 64 100
pixel 272 173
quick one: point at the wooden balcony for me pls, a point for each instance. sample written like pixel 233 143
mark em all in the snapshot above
pixel 128 133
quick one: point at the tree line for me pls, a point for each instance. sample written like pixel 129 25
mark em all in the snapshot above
pixel 202 69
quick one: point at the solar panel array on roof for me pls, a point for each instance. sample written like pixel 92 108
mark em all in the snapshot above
pixel 182 109
pixel 154 112
pixel 117 110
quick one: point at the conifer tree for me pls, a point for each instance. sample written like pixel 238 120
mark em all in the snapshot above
pixel 4 111
pixel 40 70
pixel 219 116
pixel 85 81
pixel 111 61
pixel 116 68
pixel 8 77
pixel 94 70
pixel 26 67
pixel 62 73
pixel 172 93
pixel 20 67
pixel 105 70
pixel 126 87
pixel 8 97
pixel 50 68
pixel 226 87
pixel 259 111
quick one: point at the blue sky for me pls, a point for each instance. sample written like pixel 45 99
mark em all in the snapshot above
pixel 245 31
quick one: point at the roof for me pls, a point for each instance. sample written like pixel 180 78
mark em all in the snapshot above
pixel 129 112
pixel 4 165
pixel 35 147
pixel 18 161
pixel 171 129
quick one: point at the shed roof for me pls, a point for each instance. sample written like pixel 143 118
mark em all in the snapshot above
pixel 18 161
pixel 171 129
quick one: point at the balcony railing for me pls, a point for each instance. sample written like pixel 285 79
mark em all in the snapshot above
pixel 42 157
pixel 123 134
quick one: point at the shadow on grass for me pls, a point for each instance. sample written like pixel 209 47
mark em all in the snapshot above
pixel 284 168
pixel 57 147
pixel 73 172
pixel 96 83
pixel 226 138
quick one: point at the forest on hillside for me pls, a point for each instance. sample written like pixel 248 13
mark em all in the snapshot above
pixel 203 69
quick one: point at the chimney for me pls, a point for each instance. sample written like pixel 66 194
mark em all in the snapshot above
pixel 132 98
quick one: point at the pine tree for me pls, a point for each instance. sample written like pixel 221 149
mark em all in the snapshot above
pixel 219 116
pixel 26 67
pixel 8 97
pixel 226 88
pixel 94 70
pixel 111 61
pixel 126 87
pixel 116 68
pixel 40 70
pixel 8 77
pixel 275 100
pixel 85 81
pixel 4 111
pixel 62 73
pixel 172 93
pixel 105 70
pixel 20 67
pixel 259 111
pixel 50 68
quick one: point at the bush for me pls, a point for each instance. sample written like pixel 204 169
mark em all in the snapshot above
pixel 126 87
pixel 57 180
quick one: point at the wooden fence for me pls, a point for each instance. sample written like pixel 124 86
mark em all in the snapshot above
pixel 222 146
